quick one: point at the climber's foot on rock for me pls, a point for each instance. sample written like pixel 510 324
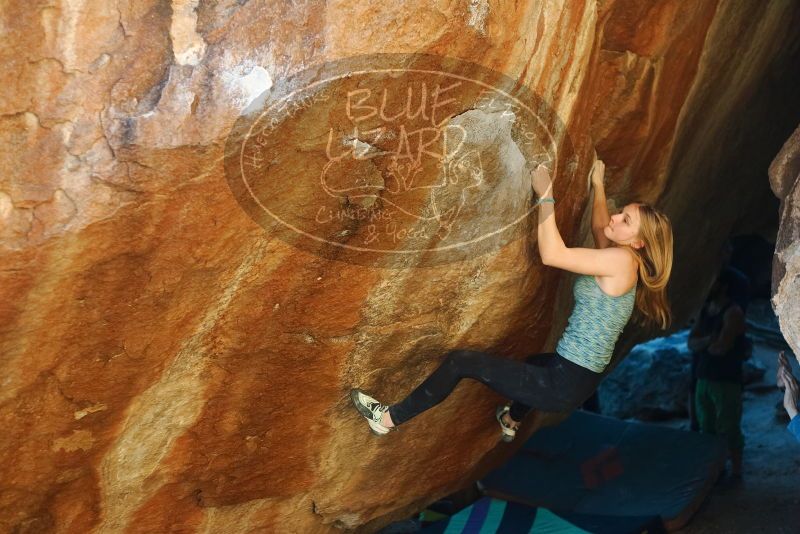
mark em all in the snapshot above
pixel 508 426
pixel 376 413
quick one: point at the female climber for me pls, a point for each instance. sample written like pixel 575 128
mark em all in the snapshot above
pixel 630 265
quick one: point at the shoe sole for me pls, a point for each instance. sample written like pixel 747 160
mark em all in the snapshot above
pixel 377 428
pixel 366 414
pixel 504 436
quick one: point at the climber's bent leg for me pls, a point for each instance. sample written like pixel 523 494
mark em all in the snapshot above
pixel 557 385
pixel 519 410
pixel 566 384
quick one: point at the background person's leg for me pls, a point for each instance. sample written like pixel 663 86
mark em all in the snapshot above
pixel 693 423
pixel 728 401
pixel 704 408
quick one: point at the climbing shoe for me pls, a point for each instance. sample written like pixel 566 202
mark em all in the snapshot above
pixel 508 431
pixel 372 410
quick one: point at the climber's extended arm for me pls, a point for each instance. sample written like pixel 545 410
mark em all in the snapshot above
pixel 600 217
pixel 554 253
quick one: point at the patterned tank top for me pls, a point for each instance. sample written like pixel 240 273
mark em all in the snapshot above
pixel 595 324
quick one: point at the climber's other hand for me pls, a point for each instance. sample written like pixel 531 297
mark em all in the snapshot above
pixel 540 179
pixel 598 173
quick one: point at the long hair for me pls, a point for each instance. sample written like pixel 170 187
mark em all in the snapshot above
pixel 655 266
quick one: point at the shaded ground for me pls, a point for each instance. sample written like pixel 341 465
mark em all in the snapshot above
pixel 768 499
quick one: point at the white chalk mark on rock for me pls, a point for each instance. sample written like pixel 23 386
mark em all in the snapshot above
pixel 245 82
pixel 188 46
pixel 478 9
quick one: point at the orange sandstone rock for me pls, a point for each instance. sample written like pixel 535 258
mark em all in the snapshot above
pixel 169 363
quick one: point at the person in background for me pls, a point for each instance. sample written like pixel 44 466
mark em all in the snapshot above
pixel 718 338
pixel 739 291
pixel 788 382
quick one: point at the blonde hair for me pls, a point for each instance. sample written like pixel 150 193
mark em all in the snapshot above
pixel 654 265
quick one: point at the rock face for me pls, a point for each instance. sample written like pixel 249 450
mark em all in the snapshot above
pixel 784 178
pixel 169 364
pixel 654 379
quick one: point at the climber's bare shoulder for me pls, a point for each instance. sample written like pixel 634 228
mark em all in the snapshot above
pixel 614 266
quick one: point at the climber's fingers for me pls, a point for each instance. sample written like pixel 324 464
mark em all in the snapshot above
pixel 540 180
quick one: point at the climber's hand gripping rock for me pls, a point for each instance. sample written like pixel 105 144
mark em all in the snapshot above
pixel 540 179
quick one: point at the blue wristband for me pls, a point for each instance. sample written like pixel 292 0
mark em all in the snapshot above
pixel 545 199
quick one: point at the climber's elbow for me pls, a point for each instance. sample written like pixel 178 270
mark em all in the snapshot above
pixel 553 257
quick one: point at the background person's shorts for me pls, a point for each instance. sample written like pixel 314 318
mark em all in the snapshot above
pixel 719 410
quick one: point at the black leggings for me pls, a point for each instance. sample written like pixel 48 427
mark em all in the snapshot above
pixel 545 381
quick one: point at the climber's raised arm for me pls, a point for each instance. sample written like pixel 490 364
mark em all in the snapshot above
pixel 610 261
pixel 548 238
pixel 600 217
